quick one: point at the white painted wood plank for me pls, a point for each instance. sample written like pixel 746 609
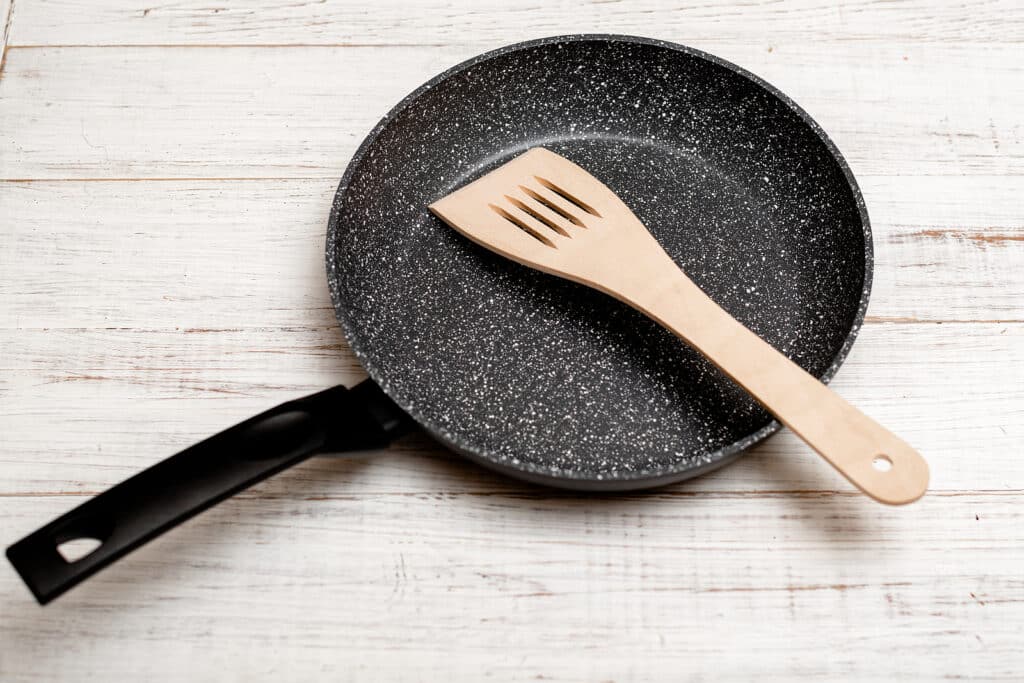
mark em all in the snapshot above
pixel 205 254
pixel 921 109
pixel 85 409
pixel 198 22
pixel 508 586
pixel 134 322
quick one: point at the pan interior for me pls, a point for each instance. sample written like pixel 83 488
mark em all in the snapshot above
pixel 545 377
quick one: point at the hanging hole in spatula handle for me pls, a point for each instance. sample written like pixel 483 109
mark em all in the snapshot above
pixel 163 496
pixel 874 459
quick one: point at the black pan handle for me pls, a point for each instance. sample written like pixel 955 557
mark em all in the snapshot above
pixel 172 491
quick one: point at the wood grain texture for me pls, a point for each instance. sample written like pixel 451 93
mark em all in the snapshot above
pixel 921 109
pixel 162 214
pixel 237 254
pixel 431 22
pixel 111 402
pixel 513 586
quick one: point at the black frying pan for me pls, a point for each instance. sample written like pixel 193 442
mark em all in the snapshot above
pixel 525 373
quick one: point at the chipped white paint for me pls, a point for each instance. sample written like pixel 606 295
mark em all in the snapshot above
pixel 432 22
pixel 133 323
pixel 300 112
pixel 5 17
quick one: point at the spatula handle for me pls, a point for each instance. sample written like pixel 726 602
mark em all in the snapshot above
pixel 874 459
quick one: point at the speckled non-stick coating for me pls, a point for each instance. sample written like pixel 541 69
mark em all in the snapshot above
pixel 548 380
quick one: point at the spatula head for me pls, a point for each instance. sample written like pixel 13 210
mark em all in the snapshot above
pixel 544 211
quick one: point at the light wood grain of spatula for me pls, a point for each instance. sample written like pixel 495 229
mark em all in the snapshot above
pixel 544 211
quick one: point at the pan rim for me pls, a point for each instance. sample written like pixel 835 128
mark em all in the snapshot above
pixel 685 468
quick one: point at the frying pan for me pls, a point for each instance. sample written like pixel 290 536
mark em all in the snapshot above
pixel 534 376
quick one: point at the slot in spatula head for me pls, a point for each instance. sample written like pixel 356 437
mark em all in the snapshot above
pixel 544 211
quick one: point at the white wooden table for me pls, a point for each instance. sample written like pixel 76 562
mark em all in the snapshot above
pixel 167 170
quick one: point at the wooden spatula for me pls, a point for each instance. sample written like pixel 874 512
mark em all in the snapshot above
pixel 546 212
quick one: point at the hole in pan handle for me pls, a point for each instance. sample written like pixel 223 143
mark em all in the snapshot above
pixel 174 490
